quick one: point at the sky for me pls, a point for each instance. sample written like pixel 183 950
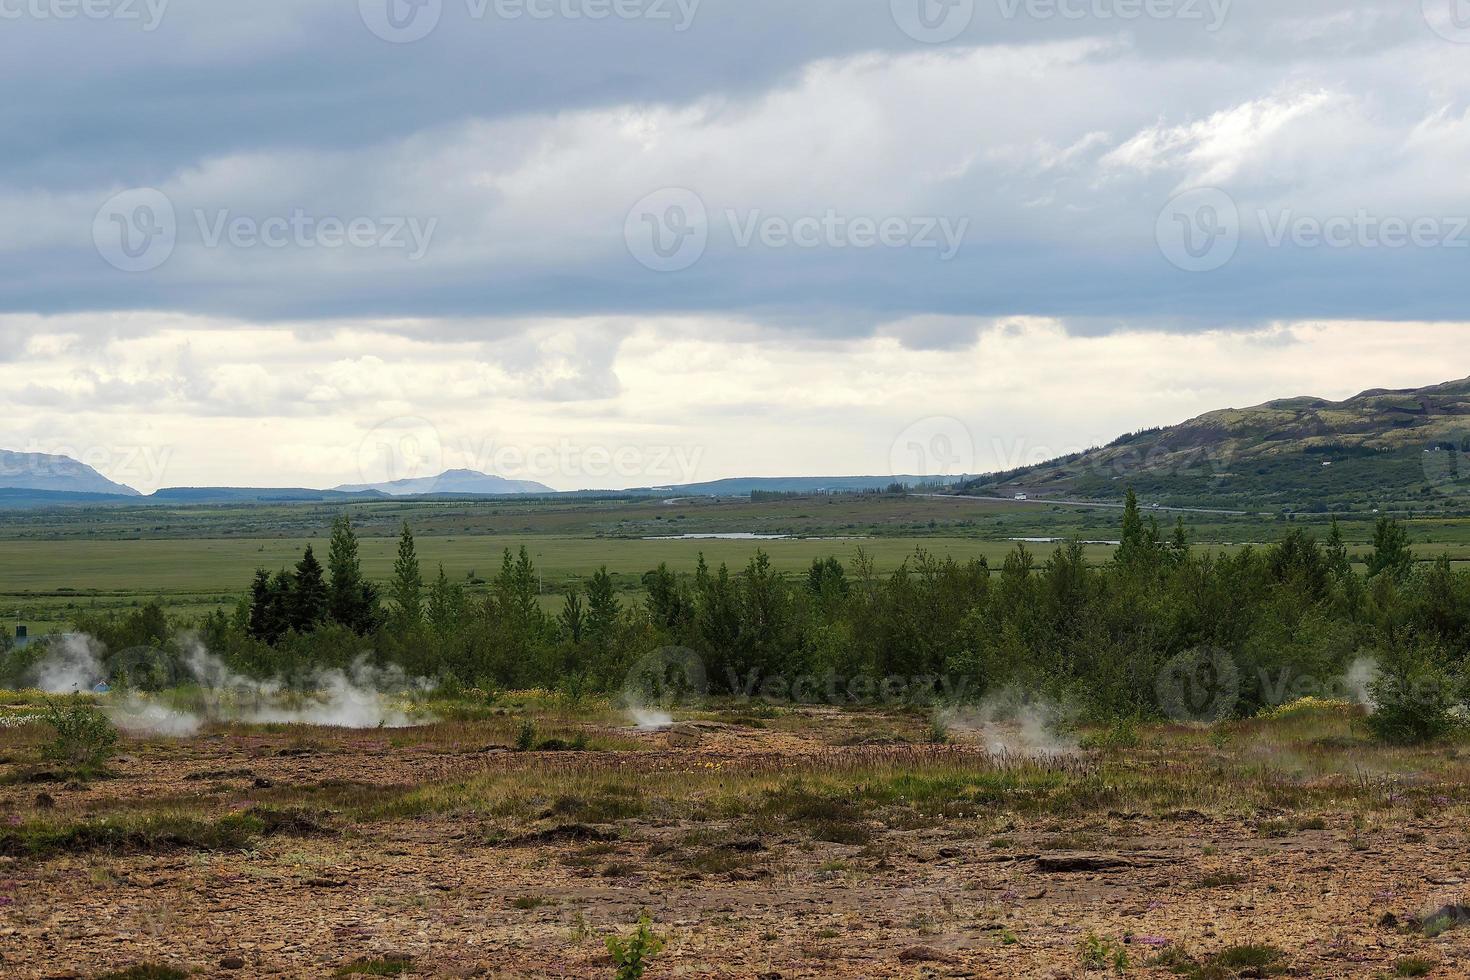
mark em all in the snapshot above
pixel 617 243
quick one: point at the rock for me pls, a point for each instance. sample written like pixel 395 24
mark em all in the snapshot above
pixel 688 733
pixel 1082 861
pixel 565 832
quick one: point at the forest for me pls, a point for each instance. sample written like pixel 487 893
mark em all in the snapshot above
pixel 1296 618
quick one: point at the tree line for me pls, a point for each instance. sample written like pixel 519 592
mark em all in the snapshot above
pixel 1290 615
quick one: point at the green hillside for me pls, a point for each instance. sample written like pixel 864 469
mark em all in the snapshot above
pixel 1387 449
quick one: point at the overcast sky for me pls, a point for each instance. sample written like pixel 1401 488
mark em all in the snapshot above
pixel 631 242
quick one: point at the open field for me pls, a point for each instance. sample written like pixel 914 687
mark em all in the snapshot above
pixel 197 559
pixel 762 841
pixel 47 582
pixel 55 564
pixel 813 516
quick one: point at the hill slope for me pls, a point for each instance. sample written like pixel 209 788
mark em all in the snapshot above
pixel 42 471
pixel 1396 448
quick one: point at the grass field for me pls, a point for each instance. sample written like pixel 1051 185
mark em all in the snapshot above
pixel 54 564
pixel 45 582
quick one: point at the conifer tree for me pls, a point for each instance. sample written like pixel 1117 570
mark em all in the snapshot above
pixel 352 600
pixel 308 602
pixel 407 588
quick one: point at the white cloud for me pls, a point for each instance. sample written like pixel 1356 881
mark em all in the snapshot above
pixel 276 407
pixel 1214 150
pixel 528 320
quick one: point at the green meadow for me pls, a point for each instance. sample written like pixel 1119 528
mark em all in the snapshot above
pixel 57 563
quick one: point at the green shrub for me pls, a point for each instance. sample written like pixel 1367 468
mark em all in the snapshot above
pixel 1251 960
pixel 391 966
pixel 1121 733
pixel 147 971
pixel 1412 705
pixel 631 955
pixel 526 737
pixel 84 740
pixel 1097 953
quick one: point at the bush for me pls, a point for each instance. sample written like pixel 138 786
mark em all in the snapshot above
pixel 146 971
pixel 631 955
pixel 1121 733
pixel 1412 706
pixel 1096 953
pixel 526 737
pixel 84 740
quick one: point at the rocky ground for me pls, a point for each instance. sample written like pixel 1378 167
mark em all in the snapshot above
pixel 1008 894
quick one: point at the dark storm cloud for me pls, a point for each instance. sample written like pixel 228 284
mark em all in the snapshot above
pixel 1056 130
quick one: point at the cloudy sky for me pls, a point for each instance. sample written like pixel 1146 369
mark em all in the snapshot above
pixel 631 242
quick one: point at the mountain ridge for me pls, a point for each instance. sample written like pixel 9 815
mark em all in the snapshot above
pixel 55 474
pixel 1382 445
pixel 461 481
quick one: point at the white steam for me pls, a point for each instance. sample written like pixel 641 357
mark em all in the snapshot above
pixel 362 696
pixel 143 716
pixel 1358 682
pixel 1013 722
pixel 650 719
pixel 73 664
pixel 359 697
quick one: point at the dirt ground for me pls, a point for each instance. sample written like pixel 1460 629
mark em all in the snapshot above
pixel 1013 897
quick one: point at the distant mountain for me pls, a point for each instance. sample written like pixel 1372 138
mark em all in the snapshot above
pixel 1406 448
pixel 741 486
pixel 452 482
pixel 41 471
pixel 254 495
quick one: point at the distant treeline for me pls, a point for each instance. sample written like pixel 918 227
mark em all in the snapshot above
pixel 1291 617
pixel 891 490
